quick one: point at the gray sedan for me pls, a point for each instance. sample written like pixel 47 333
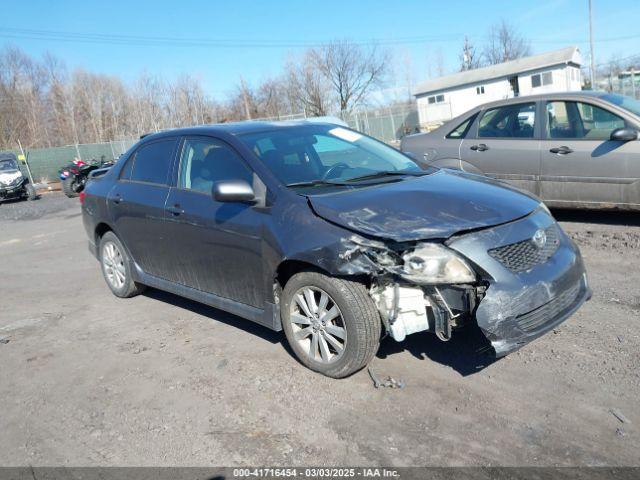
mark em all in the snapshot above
pixel 574 149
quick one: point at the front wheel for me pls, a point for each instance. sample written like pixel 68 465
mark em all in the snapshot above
pixel 31 192
pixel 331 324
pixel 69 187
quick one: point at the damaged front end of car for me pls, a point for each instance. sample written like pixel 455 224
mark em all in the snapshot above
pixel 516 281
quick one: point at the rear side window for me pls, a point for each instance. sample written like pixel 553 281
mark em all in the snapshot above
pixel 510 121
pixel 152 162
pixel 461 130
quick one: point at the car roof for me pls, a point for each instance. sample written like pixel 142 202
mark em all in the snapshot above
pixel 585 95
pixel 235 128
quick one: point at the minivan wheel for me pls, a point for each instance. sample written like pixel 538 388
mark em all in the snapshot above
pixel 331 324
pixel 116 267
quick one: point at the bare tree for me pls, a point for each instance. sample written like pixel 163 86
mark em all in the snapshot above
pixel 352 71
pixel 469 58
pixel 306 87
pixel 505 43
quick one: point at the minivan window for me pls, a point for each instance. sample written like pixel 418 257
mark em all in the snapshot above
pixel 205 161
pixel 509 121
pixel 580 120
pixel 324 152
pixel 152 162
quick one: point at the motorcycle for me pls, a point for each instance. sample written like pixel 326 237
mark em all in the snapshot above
pixel 75 175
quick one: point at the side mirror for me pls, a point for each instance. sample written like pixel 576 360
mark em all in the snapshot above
pixel 233 191
pixel 624 135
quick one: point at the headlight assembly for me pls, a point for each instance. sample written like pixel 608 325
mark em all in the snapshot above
pixel 432 263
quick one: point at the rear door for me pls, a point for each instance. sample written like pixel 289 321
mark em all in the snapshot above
pixel 580 165
pixel 136 204
pixel 504 143
pixel 215 247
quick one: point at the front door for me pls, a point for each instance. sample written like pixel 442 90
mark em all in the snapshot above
pixel 580 164
pixel 136 204
pixel 216 247
pixel 505 145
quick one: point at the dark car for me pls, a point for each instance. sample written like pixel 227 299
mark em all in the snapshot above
pixel 331 236
pixel 572 149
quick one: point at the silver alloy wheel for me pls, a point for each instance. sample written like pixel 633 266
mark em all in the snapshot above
pixel 113 264
pixel 318 325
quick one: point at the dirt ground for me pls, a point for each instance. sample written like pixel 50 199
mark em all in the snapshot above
pixel 89 379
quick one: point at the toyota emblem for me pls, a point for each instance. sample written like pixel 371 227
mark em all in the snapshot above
pixel 540 238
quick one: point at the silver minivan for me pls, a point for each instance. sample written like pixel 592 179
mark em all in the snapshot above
pixel 573 149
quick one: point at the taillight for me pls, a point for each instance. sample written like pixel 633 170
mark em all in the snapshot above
pixel 81 196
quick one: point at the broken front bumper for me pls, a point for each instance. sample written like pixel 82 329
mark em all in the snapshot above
pixel 519 304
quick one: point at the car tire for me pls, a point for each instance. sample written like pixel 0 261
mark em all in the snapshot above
pixel 117 267
pixel 358 322
pixel 67 187
pixel 31 192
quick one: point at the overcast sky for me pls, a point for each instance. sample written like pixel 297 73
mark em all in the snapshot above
pixel 219 41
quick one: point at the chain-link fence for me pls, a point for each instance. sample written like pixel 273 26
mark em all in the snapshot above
pixel 386 124
pixel 626 83
pixel 44 163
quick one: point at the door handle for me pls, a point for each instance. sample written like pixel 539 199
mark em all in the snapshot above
pixel 480 148
pixel 563 150
pixel 175 210
pixel 117 199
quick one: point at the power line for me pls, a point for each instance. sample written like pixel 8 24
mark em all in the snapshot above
pixel 155 41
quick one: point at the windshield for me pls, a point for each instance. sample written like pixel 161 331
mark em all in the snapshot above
pixel 627 103
pixel 327 155
pixel 8 164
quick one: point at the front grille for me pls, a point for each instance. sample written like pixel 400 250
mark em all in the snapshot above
pixel 521 256
pixel 549 311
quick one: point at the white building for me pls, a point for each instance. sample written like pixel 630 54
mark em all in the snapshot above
pixel 444 98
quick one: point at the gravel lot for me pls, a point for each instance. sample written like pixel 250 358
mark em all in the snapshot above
pixel 89 379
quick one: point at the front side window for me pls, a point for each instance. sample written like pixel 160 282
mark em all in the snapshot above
pixel 510 121
pixel 205 161
pixel 628 103
pixel 152 162
pixel 324 152
pixel 580 120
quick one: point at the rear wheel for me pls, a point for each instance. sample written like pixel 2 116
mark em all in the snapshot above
pixel 116 267
pixel 68 187
pixel 331 324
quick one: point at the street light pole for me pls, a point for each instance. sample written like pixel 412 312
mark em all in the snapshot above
pixel 593 59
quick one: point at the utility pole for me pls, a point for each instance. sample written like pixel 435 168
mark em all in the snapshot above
pixel 245 99
pixel 593 58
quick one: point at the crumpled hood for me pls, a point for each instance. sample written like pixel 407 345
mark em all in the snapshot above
pixel 9 176
pixel 428 207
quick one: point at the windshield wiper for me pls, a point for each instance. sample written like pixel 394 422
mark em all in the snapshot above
pixel 387 173
pixel 317 183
